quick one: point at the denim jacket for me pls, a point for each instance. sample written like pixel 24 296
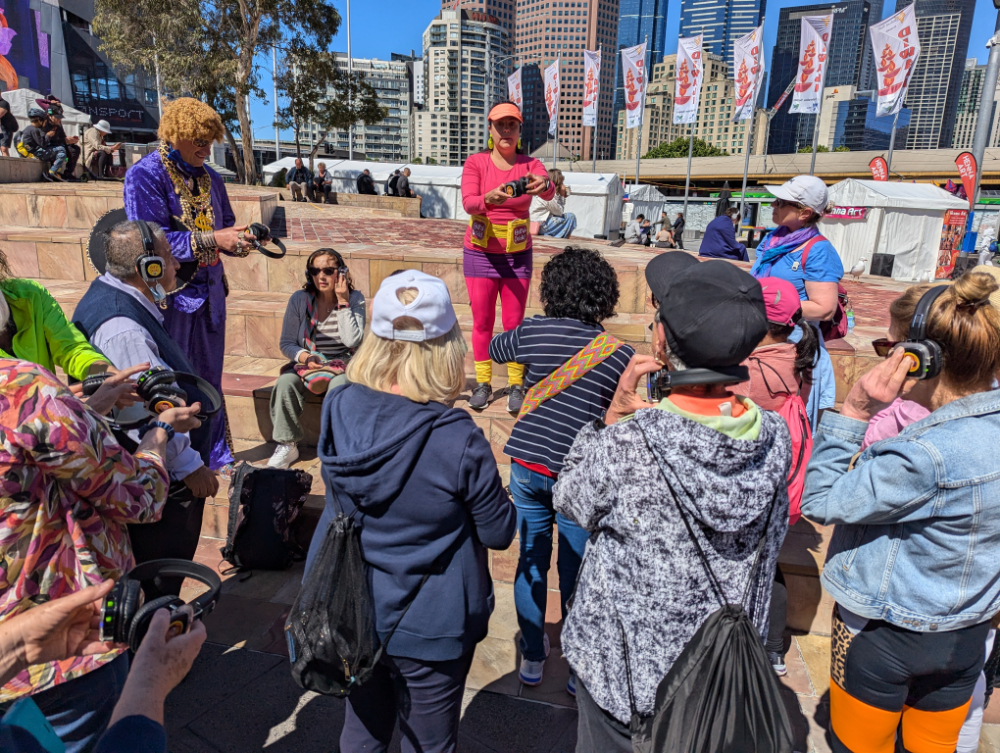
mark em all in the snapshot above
pixel 917 541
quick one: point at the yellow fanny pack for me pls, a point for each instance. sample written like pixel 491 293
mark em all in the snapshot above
pixel 515 233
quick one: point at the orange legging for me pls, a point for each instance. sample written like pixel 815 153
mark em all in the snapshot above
pixel 886 679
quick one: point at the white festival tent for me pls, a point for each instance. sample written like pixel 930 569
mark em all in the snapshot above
pixel 903 219
pixel 21 100
pixel 595 198
pixel 647 201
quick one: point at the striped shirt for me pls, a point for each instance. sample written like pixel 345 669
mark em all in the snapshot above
pixel 545 435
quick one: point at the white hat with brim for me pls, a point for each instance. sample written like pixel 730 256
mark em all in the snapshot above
pixel 103 126
pixel 432 307
pixel 807 190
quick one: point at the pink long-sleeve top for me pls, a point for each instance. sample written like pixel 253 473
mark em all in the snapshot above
pixel 480 176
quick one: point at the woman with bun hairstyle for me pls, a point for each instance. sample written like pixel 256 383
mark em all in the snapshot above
pixel 912 563
pixel 497 245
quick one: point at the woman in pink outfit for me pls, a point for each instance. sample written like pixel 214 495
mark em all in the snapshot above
pixel 497 186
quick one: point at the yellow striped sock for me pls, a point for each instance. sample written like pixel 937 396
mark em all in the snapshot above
pixel 515 373
pixel 484 371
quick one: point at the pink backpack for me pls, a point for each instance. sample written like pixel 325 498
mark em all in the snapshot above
pixel 800 430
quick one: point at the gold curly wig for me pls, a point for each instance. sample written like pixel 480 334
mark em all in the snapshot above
pixel 189 118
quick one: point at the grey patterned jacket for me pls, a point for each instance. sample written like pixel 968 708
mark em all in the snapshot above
pixel 641 573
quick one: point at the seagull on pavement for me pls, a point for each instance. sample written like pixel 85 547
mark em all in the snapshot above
pixel 858 269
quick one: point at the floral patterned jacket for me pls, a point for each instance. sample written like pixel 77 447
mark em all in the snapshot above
pixel 67 492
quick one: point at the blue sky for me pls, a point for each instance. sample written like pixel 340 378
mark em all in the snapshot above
pixel 373 34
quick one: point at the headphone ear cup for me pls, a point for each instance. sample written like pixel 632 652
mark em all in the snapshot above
pixel 148 382
pixel 936 359
pixel 140 623
pixel 128 603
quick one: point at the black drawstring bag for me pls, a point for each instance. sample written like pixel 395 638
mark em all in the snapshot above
pixel 332 643
pixel 721 695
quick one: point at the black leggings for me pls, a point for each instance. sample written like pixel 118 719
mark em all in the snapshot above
pixel 779 613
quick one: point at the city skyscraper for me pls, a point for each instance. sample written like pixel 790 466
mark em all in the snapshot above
pixel 848 43
pixel 547 30
pixel 638 21
pixel 504 10
pixel 944 27
pixel 968 104
pixel 721 22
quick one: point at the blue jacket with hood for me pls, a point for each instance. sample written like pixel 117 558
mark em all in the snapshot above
pixel 426 483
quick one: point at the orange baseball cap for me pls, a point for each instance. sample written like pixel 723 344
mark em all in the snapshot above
pixel 505 110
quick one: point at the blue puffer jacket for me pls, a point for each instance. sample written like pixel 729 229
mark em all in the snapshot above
pixel 917 541
pixel 426 482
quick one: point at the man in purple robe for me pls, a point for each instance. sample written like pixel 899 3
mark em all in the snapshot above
pixel 173 188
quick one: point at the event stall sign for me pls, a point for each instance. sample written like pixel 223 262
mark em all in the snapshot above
pixel 952 232
pixel 848 213
pixel 966 164
pixel 879 168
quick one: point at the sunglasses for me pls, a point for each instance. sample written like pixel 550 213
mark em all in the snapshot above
pixel 328 271
pixel 201 143
pixel 779 203
pixel 884 346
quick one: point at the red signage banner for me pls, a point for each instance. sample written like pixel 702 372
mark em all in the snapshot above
pixel 879 168
pixel 952 231
pixel 848 213
pixel 966 164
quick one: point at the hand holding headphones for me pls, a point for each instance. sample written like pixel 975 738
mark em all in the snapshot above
pixel 258 234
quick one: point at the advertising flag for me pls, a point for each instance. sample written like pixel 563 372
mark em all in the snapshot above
pixel 896 48
pixel 591 86
pixel 690 70
pixel 748 62
pixel 879 168
pixel 514 88
pixel 812 63
pixel 966 164
pixel 552 95
pixel 634 65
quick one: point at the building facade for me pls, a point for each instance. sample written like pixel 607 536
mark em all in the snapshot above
pixel 715 112
pixel 505 11
pixel 944 27
pixel 466 64
pixel 563 30
pixel 849 45
pixel 721 23
pixel 848 120
pixel 638 21
pixel 968 104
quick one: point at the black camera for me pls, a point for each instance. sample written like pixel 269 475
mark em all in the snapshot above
pixel 516 188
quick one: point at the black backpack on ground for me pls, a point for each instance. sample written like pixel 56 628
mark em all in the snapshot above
pixel 721 695
pixel 263 502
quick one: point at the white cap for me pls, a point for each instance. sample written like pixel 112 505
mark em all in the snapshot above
pixel 807 190
pixel 432 307
pixel 103 126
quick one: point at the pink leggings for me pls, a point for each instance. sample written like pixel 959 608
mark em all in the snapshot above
pixel 483 292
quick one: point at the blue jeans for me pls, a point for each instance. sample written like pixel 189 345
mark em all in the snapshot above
pixel 533 499
pixel 79 710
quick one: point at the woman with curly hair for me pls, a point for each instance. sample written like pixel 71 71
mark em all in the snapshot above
pixel 173 188
pixel 573 367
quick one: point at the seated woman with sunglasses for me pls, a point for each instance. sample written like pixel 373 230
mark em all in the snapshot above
pixel 911 564
pixel 323 326
pixel 796 252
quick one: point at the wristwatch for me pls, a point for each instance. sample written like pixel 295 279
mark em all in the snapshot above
pixel 157 425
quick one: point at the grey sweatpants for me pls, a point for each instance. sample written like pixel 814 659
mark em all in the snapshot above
pixel 288 399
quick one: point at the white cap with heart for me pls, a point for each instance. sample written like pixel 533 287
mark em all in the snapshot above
pixel 807 190
pixel 432 307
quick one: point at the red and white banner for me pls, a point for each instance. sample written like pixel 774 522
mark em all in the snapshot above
pixel 634 65
pixel 812 63
pixel 552 95
pixel 748 62
pixel 966 164
pixel 690 72
pixel 848 213
pixel 879 168
pixel 896 48
pixel 514 89
pixel 591 86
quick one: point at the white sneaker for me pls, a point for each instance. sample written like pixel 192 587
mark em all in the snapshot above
pixel 531 671
pixel 284 456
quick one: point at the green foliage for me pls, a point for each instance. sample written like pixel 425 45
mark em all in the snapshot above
pixel 417 161
pixel 431 161
pixel 319 92
pixel 211 49
pixel 278 181
pixel 679 148
pixel 842 149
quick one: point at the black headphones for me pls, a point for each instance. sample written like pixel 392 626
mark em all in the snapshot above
pixel 157 389
pixel 149 265
pixel 926 355
pixel 124 616
pixel 258 234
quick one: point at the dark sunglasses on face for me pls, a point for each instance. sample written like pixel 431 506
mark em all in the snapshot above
pixel 779 203
pixel 884 346
pixel 201 143
pixel 328 271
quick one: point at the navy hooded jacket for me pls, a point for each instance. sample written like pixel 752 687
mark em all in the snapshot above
pixel 426 482
pixel 720 241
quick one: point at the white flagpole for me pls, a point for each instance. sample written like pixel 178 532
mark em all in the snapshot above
pixel 597 106
pixel 819 110
pixel 645 86
pixel 687 180
pixel 892 143
pixel 555 143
